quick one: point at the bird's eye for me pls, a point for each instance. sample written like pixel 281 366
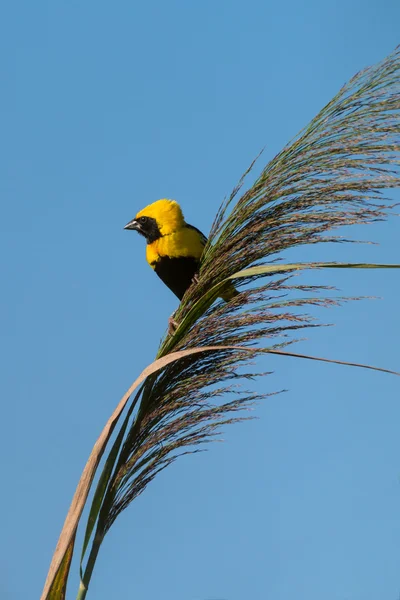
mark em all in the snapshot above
pixel 142 219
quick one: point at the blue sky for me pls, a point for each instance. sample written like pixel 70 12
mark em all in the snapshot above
pixel 105 107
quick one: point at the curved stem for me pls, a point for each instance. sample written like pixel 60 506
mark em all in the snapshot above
pixel 84 583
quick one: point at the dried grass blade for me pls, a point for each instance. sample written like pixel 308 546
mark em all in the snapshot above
pixel 79 499
pixel 103 481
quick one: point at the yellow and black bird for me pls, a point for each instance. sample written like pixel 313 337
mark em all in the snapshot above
pixel 174 247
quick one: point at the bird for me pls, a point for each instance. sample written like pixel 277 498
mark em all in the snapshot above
pixel 174 248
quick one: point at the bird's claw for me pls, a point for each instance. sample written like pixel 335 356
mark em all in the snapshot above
pixel 172 324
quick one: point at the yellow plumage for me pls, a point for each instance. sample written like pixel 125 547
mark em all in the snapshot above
pixel 176 238
pixel 184 242
pixel 167 213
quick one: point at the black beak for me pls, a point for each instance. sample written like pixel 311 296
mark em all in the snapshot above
pixel 133 225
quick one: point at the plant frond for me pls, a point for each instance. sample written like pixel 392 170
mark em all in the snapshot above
pixel 333 174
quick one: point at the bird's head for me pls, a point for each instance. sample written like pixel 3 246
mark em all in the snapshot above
pixel 155 220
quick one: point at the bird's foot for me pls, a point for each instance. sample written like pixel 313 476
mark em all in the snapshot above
pixel 195 279
pixel 172 324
